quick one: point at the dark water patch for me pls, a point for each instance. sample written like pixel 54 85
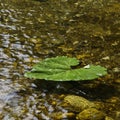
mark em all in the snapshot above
pixel 86 89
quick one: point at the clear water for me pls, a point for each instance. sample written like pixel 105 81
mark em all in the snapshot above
pixel 33 30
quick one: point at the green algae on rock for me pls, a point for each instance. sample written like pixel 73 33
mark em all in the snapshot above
pixel 77 103
pixel 91 114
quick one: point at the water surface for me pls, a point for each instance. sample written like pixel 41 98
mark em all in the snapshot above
pixel 32 30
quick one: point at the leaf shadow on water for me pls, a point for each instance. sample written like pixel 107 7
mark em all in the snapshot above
pixel 100 91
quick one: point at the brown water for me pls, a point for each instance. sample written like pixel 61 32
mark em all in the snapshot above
pixel 31 30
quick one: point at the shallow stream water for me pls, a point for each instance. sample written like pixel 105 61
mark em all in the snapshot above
pixel 32 30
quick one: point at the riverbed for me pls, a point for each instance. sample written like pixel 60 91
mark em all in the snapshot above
pixel 32 30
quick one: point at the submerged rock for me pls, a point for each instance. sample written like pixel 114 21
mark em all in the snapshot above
pixel 60 115
pixel 90 114
pixel 86 109
pixel 108 118
pixel 77 103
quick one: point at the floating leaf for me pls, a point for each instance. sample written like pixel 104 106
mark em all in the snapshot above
pixel 59 69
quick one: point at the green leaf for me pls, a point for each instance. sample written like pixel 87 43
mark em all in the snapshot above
pixel 59 69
